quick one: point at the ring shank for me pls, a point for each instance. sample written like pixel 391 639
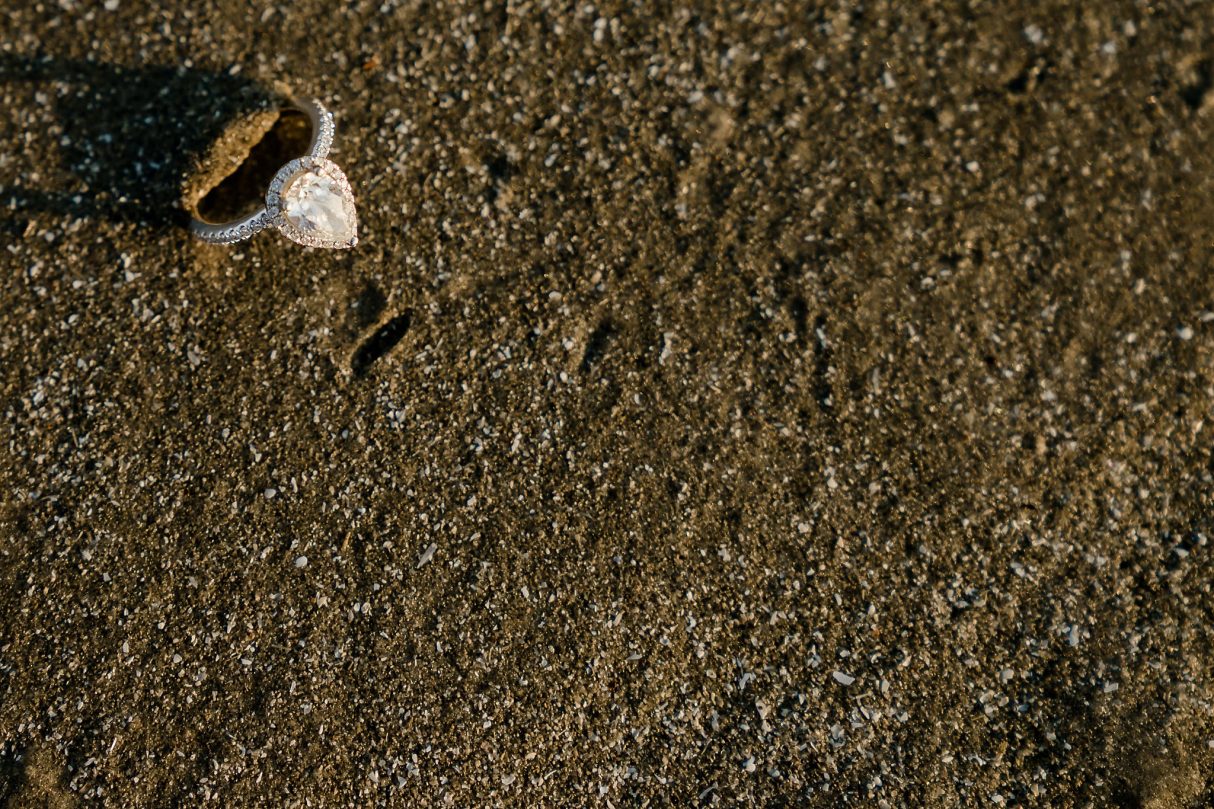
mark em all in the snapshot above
pixel 321 121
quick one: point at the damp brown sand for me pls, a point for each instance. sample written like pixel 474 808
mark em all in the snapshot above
pixel 757 404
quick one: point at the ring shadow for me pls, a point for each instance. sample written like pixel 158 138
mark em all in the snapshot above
pixel 130 136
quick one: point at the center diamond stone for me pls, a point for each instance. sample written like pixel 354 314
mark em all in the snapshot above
pixel 314 204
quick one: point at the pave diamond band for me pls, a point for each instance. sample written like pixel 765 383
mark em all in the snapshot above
pixel 309 200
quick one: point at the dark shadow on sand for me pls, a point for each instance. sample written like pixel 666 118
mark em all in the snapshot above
pixel 129 136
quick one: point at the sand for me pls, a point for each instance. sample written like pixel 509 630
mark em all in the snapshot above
pixel 781 404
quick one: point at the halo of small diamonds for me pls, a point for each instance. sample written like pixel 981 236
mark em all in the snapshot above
pixel 281 184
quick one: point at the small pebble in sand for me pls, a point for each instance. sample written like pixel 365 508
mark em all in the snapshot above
pixel 1072 635
pixel 843 679
pixel 301 562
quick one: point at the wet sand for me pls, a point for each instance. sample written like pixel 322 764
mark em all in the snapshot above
pixel 795 405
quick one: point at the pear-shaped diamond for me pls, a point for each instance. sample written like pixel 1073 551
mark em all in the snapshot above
pixel 311 203
pixel 315 205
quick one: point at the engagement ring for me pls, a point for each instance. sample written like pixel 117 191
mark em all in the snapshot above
pixel 309 199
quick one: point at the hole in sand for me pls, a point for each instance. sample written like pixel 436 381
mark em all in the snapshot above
pixel 596 345
pixel 244 189
pixel 1194 91
pixel 383 340
pixel 366 308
